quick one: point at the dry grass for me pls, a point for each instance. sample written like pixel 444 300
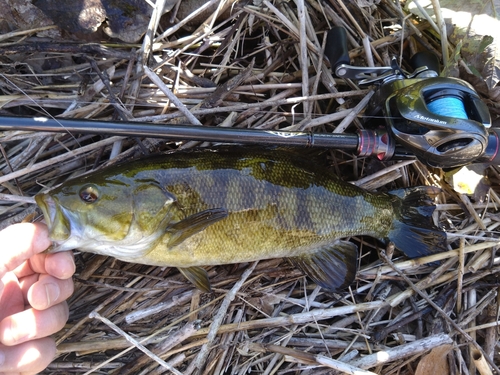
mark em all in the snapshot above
pixel 263 318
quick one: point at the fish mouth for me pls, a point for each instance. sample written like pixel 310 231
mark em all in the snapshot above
pixel 48 207
pixel 59 228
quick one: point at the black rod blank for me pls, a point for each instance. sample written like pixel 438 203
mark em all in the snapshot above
pixel 347 142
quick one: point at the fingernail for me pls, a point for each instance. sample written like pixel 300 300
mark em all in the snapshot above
pixel 67 265
pixel 52 293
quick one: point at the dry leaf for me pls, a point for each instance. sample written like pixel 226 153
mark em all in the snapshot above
pixel 123 19
pixel 469 180
pixel 22 15
pixel 436 362
pixel 265 303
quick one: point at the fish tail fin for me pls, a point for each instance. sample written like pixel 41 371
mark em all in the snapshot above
pixel 413 230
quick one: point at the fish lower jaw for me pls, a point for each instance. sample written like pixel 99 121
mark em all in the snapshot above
pixel 128 249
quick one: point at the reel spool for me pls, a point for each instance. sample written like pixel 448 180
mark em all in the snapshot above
pixel 441 120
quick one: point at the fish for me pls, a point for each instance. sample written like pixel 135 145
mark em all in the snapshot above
pixel 190 209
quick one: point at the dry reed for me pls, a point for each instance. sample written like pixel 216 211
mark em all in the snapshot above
pixel 268 58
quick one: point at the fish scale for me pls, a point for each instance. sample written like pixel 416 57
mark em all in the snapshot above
pixel 199 208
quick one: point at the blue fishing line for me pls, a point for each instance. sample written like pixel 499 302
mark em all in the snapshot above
pixel 448 106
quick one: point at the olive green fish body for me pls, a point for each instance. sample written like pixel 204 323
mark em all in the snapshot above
pixel 191 209
pixel 274 209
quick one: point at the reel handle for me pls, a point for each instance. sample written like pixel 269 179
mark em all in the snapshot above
pixel 336 47
pixel 424 58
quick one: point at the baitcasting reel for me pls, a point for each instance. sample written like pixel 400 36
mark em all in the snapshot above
pixel 440 120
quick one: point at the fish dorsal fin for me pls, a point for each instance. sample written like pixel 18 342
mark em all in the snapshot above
pixel 332 267
pixel 198 276
pixel 193 224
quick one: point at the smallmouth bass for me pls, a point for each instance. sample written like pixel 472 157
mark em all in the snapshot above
pixel 206 207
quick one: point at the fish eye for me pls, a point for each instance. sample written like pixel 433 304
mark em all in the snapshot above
pixel 89 194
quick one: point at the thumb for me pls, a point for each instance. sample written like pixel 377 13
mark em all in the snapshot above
pixel 20 242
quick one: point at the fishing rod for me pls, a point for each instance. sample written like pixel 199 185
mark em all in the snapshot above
pixel 442 121
pixel 366 142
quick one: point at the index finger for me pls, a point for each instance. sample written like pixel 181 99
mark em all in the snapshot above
pixel 20 242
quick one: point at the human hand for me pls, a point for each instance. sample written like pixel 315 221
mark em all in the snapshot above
pixel 33 290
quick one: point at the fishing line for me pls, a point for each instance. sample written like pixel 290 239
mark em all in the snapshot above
pixel 155 118
pixel 43 110
pixel 38 105
pixel 165 117
pixel 450 106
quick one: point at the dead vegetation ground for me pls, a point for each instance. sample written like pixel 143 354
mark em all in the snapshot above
pixel 434 315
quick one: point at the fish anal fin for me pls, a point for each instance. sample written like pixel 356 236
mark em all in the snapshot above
pixel 193 224
pixel 198 276
pixel 332 267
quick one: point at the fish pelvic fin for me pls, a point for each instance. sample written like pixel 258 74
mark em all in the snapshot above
pixel 198 276
pixel 413 230
pixel 332 267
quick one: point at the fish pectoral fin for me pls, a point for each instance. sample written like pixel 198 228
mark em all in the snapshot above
pixel 332 267
pixel 198 276
pixel 193 224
